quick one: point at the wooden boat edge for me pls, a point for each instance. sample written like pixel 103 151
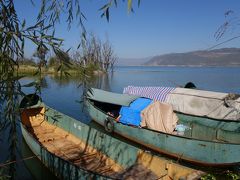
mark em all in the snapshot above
pixel 91 173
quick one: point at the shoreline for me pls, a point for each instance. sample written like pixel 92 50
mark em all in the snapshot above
pixel 31 70
pixel 192 66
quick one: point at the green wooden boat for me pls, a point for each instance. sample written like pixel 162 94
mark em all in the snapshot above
pixel 207 142
pixel 73 150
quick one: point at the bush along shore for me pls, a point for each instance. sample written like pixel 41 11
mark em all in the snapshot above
pixel 32 70
pixel 93 57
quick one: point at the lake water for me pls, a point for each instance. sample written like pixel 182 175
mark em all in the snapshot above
pixel 64 94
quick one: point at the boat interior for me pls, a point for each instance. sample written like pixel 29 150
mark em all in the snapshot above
pixel 114 109
pixel 70 148
pixel 201 128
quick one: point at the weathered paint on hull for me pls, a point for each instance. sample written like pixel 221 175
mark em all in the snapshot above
pixel 35 167
pixel 211 130
pixel 61 168
pixel 201 152
pixel 122 153
pixel 66 170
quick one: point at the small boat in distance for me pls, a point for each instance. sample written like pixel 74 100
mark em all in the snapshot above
pixel 73 150
pixel 206 141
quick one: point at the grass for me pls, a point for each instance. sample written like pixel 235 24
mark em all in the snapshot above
pixel 31 70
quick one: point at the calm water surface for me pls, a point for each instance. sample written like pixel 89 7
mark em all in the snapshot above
pixel 217 79
pixel 64 94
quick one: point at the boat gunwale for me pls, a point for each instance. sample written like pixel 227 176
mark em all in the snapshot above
pixel 159 132
pixel 40 144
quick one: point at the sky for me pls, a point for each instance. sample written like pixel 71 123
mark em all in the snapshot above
pixel 156 27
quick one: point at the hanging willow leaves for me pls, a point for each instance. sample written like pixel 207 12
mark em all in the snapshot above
pixel 105 9
pixel 14 33
pixel 231 24
pixel 129 5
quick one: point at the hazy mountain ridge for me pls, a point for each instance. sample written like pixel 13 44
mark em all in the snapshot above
pixel 217 57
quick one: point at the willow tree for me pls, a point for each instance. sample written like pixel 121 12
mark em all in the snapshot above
pixel 229 27
pixel 14 33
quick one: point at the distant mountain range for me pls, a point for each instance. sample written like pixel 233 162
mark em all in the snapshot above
pixel 217 57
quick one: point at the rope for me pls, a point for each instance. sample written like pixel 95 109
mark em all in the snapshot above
pixel 229 102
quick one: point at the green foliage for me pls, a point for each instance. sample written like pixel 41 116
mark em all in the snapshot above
pixel 232 175
pixel 92 67
pixel 13 35
pixel 3 176
pixel 106 7
pixel 208 177
pixel 52 62
pixel 40 53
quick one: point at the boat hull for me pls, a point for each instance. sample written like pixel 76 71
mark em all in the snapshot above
pixel 61 168
pixel 122 153
pixel 201 152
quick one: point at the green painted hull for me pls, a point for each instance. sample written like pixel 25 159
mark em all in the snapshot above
pixel 61 168
pixel 122 153
pixel 34 166
pixel 195 149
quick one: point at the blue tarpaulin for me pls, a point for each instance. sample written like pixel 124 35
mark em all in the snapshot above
pixel 131 114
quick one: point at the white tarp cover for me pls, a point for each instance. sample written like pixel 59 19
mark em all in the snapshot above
pixel 204 103
pixel 159 116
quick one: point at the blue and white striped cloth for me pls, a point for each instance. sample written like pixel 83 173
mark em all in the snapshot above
pixel 155 93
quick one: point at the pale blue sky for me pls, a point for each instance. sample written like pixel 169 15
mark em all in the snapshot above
pixel 157 26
